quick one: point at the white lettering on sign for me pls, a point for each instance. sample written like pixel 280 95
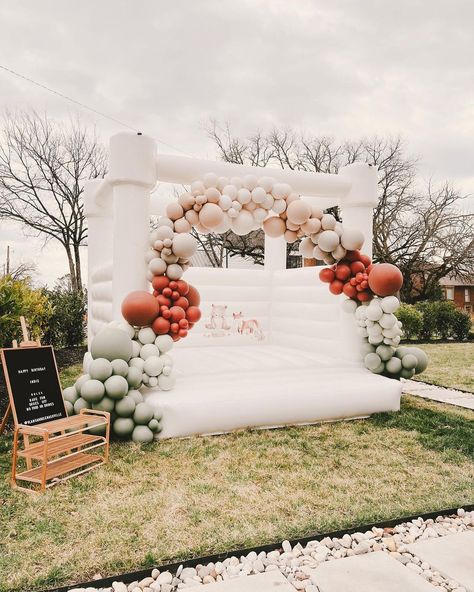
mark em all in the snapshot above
pixel 24 371
pixel 42 369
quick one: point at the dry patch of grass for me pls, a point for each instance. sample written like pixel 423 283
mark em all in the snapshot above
pixel 183 498
pixel 451 365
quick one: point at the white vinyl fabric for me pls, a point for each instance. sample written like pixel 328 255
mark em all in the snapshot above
pixel 284 360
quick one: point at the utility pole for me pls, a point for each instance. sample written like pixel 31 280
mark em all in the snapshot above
pixel 8 260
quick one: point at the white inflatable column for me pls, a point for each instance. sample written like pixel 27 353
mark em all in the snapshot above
pixel 356 212
pixel 132 172
pixel 275 253
pixel 358 205
pixel 98 212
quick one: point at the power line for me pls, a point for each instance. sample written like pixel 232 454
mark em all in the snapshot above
pixel 63 96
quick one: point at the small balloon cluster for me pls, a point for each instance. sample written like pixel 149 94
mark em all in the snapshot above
pixel 121 361
pixel 349 276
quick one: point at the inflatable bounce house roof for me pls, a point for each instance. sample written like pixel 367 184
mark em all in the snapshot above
pixel 260 347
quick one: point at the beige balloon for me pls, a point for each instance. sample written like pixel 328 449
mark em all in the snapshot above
pixel 274 226
pixel 174 211
pixel 290 236
pixel 211 215
pixel 182 225
pixel 298 211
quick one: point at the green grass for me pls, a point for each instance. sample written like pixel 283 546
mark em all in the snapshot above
pixel 451 365
pixel 180 498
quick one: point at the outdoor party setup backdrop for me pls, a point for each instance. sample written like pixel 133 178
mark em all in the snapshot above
pixel 176 350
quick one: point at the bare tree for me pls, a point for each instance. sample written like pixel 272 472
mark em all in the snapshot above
pixel 425 232
pixel 218 246
pixel 43 166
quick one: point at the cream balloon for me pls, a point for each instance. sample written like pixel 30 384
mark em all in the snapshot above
pixel 306 248
pixel 243 223
pixel 184 245
pixel 211 215
pixel 182 225
pixel 352 239
pixel 298 211
pixel 328 240
pixel 274 226
pixel 174 211
pixel 212 194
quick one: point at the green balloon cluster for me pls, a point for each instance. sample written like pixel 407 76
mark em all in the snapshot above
pixel 400 362
pixel 112 382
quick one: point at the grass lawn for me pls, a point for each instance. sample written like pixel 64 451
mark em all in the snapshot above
pixel 451 365
pixel 182 498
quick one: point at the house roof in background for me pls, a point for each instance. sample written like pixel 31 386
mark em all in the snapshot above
pixel 455 281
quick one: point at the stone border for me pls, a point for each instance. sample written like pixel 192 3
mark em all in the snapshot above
pixel 130 577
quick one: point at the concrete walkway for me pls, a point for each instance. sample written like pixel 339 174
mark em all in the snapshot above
pixel 439 393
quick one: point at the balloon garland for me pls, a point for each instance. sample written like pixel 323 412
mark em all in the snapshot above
pixel 129 355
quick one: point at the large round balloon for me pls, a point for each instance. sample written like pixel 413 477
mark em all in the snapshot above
pixel 140 308
pixel 385 279
pixel 111 344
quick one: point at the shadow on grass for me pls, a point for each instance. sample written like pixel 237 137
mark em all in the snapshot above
pixel 436 429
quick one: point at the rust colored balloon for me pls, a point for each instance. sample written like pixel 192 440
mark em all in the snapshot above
pixel 182 287
pixel 385 279
pixel 163 301
pixel 177 313
pixel 336 286
pixel 349 290
pixel 357 267
pixel 160 326
pixel 159 282
pixel 353 255
pixel 343 272
pixel 193 314
pixel 364 296
pixel 366 260
pixel 193 296
pixel 326 275
pixel 140 308
pixel 182 302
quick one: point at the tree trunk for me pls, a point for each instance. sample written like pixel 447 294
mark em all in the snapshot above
pixel 77 258
pixel 72 271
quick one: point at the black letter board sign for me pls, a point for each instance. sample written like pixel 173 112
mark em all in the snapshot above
pixel 33 384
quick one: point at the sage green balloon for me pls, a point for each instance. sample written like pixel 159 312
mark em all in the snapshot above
pixel 385 352
pixel 80 381
pixel 119 368
pixel 149 349
pixel 136 396
pixel 402 351
pixel 379 370
pixel 422 358
pixel 146 335
pixel 158 414
pixel 97 430
pixel 123 426
pixel 69 407
pixel 70 394
pixel 100 369
pixel 394 366
pixel 153 366
pixel 134 377
pixel 153 424
pixel 105 404
pixel 112 344
pixel 125 407
pixel 142 433
pixel 407 373
pixel 116 387
pixel 409 361
pixel 366 348
pixel 81 404
pixel 372 361
pixel 92 390
pixel 143 413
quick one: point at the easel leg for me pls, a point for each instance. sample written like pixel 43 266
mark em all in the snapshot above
pixel 15 457
pixel 3 425
pixel 26 445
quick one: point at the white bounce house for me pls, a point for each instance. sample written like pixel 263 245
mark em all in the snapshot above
pixel 273 347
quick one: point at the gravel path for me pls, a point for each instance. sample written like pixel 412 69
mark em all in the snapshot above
pixel 296 562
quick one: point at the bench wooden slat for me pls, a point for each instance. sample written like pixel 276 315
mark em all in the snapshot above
pixel 60 467
pixel 59 445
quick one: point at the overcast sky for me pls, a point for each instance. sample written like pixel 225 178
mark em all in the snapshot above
pixel 346 68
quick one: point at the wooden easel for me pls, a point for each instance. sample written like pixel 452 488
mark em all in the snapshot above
pixel 25 343
pixel 61 447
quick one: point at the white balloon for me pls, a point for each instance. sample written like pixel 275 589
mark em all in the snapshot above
pixel 243 223
pixel 210 180
pixel 352 239
pixel 164 343
pixel 328 240
pixel 390 304
pixel 268 202
pixel 231 191
pixel 157 266
pixel 232 213
pixel 197 187
pixel 149 349
pixel 258 195
pixel 281 190
pixel 388 320
pixel 328 222
pixel 279 206
pixel 349 305
pixel 266 183
pixel 306 248
pixel 225 202
pixel 260 214
pixel 374 312
pixel 153 365
pixel 244 195
pixel 236 205
pixel 174 271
